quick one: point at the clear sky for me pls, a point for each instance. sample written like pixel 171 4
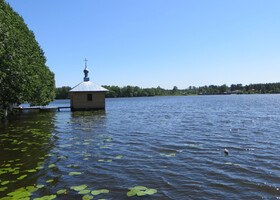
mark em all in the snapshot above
pixel 150 43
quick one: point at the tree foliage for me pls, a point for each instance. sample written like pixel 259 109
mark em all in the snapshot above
pixel 62 92
pixel 134 91
pixel 24 76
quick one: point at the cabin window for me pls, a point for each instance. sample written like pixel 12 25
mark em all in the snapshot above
pixel 89 97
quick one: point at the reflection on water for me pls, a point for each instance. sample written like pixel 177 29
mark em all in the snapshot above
pixel 26 141
pixel 173 147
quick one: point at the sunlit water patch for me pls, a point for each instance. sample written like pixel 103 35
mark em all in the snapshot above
pixel 145 148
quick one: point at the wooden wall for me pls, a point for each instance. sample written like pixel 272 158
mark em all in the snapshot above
pixel 79 100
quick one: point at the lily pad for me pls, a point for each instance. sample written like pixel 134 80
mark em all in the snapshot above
pixel 140 188
pixel 49 181
pixel 3 189
pixel 140 191
pixel 5 182
pixel 52 165
pixel 31 170
pixel 31 189
pixel 78 188
pixel 131 193
pixel 40 167
pixel 151 191
pixel 75 173
pixel 40 186
pixel 97 192
pixel 84 191
pixel 61 191
pixel 87 197
pixel 104 191
pixel 22 177
pixel 50 197
pixel 18 194
pixel 118 157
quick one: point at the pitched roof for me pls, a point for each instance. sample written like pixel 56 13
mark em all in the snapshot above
pixel 88 86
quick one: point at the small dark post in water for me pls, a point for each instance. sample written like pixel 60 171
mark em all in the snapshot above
pixel 226 151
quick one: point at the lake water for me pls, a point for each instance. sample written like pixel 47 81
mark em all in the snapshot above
pixel 174 145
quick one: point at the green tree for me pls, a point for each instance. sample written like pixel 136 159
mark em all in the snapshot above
pixel 24 76
pixel 62 92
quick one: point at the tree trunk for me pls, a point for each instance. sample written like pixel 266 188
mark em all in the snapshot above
pixel 11 106
pixel 5 112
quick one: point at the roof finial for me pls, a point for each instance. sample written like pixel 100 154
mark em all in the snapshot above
pixel 86 71
pixel 85 62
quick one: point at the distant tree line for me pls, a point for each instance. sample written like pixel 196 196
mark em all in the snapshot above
pixel 134 91
pixel 62 92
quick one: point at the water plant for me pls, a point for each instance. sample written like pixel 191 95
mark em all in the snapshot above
pixel 79 187
pixel 75 173
pixel 49 197
pixel 97 192
pixel 140 191
pixel 87 197
pixel 62 191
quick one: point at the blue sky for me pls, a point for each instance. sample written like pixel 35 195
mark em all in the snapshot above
pixel 150 43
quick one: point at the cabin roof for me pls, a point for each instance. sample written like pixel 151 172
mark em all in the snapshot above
pixel 88 86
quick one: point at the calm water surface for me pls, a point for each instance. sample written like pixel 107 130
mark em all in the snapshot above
pixel 172 144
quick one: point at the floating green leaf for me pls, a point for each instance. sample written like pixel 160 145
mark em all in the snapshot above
pixel 3 189
pixel 84 191
pixel 131 193
pixel 75 173
pixel 18 194
pixel 78 188
pixel 31 189
pixel 52 165
pixel 22 177
pixel 50 197
pixel 5 182
pixel 87 197
pixel 61 191
pixel 97 192
pixel 118 157
pixel 49 181
pixel 40 167
pixel 31 170
pixel 40 186
pixel 140 191
pixel 151 191
pixel 104 191
pixel 66 157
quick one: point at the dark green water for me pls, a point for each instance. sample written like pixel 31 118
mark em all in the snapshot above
pixel 173 146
